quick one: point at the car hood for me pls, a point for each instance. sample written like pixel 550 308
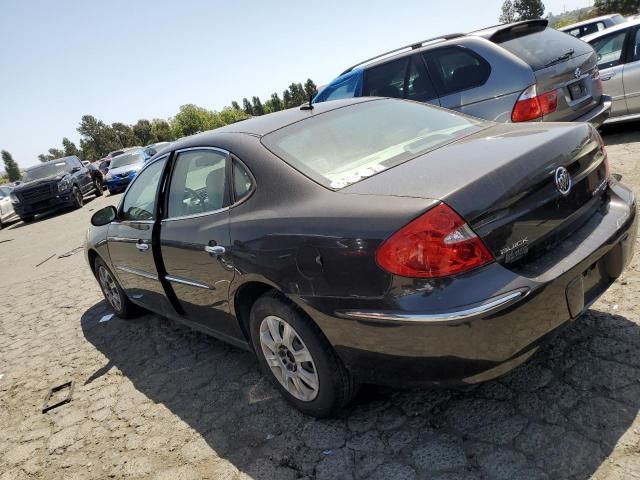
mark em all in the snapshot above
pixel 125 168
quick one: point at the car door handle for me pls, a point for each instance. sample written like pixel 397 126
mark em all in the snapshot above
pixel 142 246
pixel 607 76
pixel 216 250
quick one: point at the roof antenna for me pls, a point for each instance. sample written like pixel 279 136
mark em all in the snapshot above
pixel 307 106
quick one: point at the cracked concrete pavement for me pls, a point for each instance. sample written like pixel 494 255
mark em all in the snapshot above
pixel 154 399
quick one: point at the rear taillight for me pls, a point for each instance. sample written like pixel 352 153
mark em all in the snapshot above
pixel 530 105
pixel 436 244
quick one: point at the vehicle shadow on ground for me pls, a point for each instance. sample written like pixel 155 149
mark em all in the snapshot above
pixel 15 224
pixel 621 133
pixel 558 416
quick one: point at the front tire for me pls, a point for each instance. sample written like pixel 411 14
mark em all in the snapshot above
pixel 113 293
pixel 295 355
pixel 78 199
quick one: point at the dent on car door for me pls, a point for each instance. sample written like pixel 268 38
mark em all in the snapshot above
pixel 610 50
pixel 194 239
pixel 129 240
pixel 631 75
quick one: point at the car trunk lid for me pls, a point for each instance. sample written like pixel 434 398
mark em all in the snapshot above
pixel 502 182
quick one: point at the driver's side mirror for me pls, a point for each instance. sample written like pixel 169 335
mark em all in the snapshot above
pixel 75 169
pixel 104 216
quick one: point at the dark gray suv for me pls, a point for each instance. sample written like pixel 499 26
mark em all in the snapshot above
pixel 513 72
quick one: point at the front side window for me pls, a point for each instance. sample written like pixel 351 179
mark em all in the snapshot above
pixel 346 145
pixel 198 183
pixel 419 86
pixel 386 80
pixel 457 69
pixel 609 49
pixel 139 202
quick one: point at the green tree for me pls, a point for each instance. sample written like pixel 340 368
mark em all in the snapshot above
pixel 70 148
pixel 97 138
pixel 276 103
pixel 124 134
pixel 161 130
pixel 624 7
pixel 298 97
pixel 192 119
pixel 235 105
pixel 11 167
pixel 528 9
pixel 142 132
pixel 508 14
pixel 231 115
pixel 286 99
pixel 246 106
pixel 257 107
pixel 310 89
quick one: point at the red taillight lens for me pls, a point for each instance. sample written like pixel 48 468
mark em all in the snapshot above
pixel 531 106
pixel 437 244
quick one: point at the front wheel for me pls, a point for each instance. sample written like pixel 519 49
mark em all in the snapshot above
pixel 295 355
pixel 113 293
pixel 78 199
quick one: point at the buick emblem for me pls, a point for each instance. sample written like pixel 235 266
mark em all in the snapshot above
pixel 563 180
pixel 577 72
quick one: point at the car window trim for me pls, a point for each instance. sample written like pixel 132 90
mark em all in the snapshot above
pixel 438 84
pixel 119 218
pixel 165 192
pixel 240 200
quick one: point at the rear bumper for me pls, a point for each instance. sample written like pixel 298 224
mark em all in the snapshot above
pixel 24 209
pixel 599 114
pixel 479 325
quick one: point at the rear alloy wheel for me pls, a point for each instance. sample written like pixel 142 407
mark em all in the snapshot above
pixel 97 185
pixel 113 293
pixel 295 355
pixel 78 199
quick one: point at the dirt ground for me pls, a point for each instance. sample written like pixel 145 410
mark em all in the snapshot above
pixel 153 399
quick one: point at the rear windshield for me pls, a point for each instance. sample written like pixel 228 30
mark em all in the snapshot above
pixel 346 145
pixel 539 47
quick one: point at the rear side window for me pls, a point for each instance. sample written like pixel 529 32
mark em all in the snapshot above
pixel 540 46
pixel 241 181
pixel 386 80
pixel 609 49
pixel 456 69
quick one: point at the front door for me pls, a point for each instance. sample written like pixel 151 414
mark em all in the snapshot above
pixel 194 239
pixel 632 74
pixel 610 50
pixel 130 241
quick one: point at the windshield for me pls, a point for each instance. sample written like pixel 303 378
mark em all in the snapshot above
pixel 348 144
pixel 51 169
pixel 127 159
pixel 542 46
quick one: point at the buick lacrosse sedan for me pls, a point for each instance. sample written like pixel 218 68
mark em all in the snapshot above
pixel 370 241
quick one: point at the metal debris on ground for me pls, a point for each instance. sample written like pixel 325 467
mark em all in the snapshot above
pixel 106 318
pixel 71 252
pixel 46 407
pixel 46 260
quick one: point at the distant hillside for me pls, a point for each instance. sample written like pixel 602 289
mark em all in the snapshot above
pixel 571 16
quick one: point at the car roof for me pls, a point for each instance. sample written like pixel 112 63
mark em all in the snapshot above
pixel 615 28
pixel 264 124
pixel 587 22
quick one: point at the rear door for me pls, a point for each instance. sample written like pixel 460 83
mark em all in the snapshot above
pixel 194 238
pixel 631 75
pixel 129 240
pixel 610 50
pixel 459 75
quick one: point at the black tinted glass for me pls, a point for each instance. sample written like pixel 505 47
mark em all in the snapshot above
pixel 140 200
pixel 386 80
pixel 419 86
pixel 457 69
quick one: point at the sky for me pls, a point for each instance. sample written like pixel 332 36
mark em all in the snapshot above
pixel 122 60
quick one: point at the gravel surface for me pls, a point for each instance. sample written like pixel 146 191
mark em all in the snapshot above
pixel 153 399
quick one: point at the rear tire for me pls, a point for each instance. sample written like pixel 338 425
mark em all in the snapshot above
pixel 97 184
pixel 78 199
pixel 298 359
pixel 113 293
